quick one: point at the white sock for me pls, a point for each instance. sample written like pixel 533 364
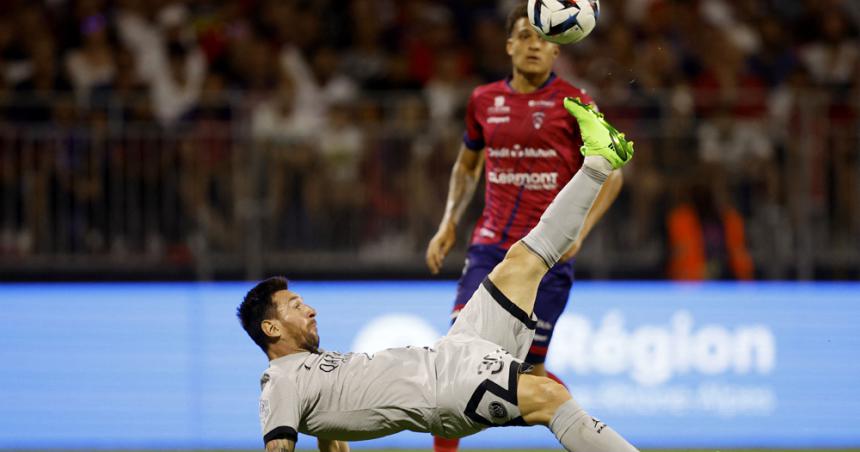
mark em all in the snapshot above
pixel 563 218
pixel 579 432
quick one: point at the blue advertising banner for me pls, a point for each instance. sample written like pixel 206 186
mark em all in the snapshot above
pixel 667 365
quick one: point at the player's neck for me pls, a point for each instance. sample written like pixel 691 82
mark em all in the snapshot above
pixel 526 83
pixel 281 349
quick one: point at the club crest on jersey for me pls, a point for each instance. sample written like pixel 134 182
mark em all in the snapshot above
pixel 497 410
pixel 499 106
pixel 537 119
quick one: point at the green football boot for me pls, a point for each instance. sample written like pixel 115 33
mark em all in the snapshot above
pixel 598 136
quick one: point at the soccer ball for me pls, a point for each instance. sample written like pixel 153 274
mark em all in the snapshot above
pixel 563 21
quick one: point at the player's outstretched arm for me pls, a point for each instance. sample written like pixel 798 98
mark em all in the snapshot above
pixel 326 445
pixel 281 445
pixel 461 188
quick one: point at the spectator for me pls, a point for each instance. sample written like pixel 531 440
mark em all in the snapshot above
pixel 176 90
pixel 833 59
pixel 706 237
pixel 285 136
pixel 168 59
pixel 362 96
pixel 91 65
pixel 341 156
pixel 366 59
pixel 447 90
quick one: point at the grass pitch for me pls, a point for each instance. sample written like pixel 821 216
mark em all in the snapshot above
pixel 464 450
pixel 474 450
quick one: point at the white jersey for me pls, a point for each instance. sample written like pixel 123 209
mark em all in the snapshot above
pixel 350 396
pixel 465 383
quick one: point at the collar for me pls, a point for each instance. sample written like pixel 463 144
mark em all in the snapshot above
pixel 543 85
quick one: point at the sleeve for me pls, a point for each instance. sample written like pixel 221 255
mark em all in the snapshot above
pixel 473 138
pixel 280 409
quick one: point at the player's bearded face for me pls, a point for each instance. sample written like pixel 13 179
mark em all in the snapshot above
pixel 298 320
pixel 313 338
pixel 306 333
pixel 530 54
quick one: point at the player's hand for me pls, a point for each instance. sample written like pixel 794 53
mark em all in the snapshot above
pixel 440 245
pixel 571 253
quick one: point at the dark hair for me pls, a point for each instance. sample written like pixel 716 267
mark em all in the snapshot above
pixel 519 11
pixel 257 306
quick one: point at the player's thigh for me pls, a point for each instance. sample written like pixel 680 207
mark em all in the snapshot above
pixel 491 316
pixel 518 276
pixel 538 398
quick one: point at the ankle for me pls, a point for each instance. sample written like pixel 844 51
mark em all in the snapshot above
pixel 598 163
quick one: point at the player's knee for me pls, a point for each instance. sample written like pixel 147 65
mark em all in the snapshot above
pixel 520 260
pixel 539 398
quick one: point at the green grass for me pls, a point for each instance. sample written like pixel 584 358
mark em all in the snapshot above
pixel 478 450
pixel 643 450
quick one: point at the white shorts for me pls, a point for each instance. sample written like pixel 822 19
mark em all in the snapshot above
pixel 491 316
pixel 479 363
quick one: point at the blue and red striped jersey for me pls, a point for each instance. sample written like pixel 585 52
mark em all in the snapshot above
pixel 531 148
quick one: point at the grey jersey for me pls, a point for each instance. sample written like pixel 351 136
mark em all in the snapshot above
pixel 351 396
pixel 466 383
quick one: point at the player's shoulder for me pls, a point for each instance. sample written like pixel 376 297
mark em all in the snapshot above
pixel 278 379
pixel 274 371
pixel 285 368
pixel 490 89
pixel 568 89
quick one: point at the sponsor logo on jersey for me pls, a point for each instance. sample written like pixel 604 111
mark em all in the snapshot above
pixel 332 360
pixel 519 152
pixel 542 103
pixel 537 119
pixel 530 181
pixel 498 119
pixel 499 107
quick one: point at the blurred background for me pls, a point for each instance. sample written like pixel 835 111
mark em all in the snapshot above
pixel 231 139
pixel 202 141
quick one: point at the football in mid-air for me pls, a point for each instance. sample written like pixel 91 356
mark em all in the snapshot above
pixel 563 21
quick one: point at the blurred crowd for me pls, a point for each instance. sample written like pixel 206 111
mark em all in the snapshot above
pixel 175 130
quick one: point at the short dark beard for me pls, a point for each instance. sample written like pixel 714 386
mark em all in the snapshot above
pixel 313 345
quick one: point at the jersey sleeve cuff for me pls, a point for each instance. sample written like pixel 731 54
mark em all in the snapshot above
pixel 472 145
pixel 282 432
